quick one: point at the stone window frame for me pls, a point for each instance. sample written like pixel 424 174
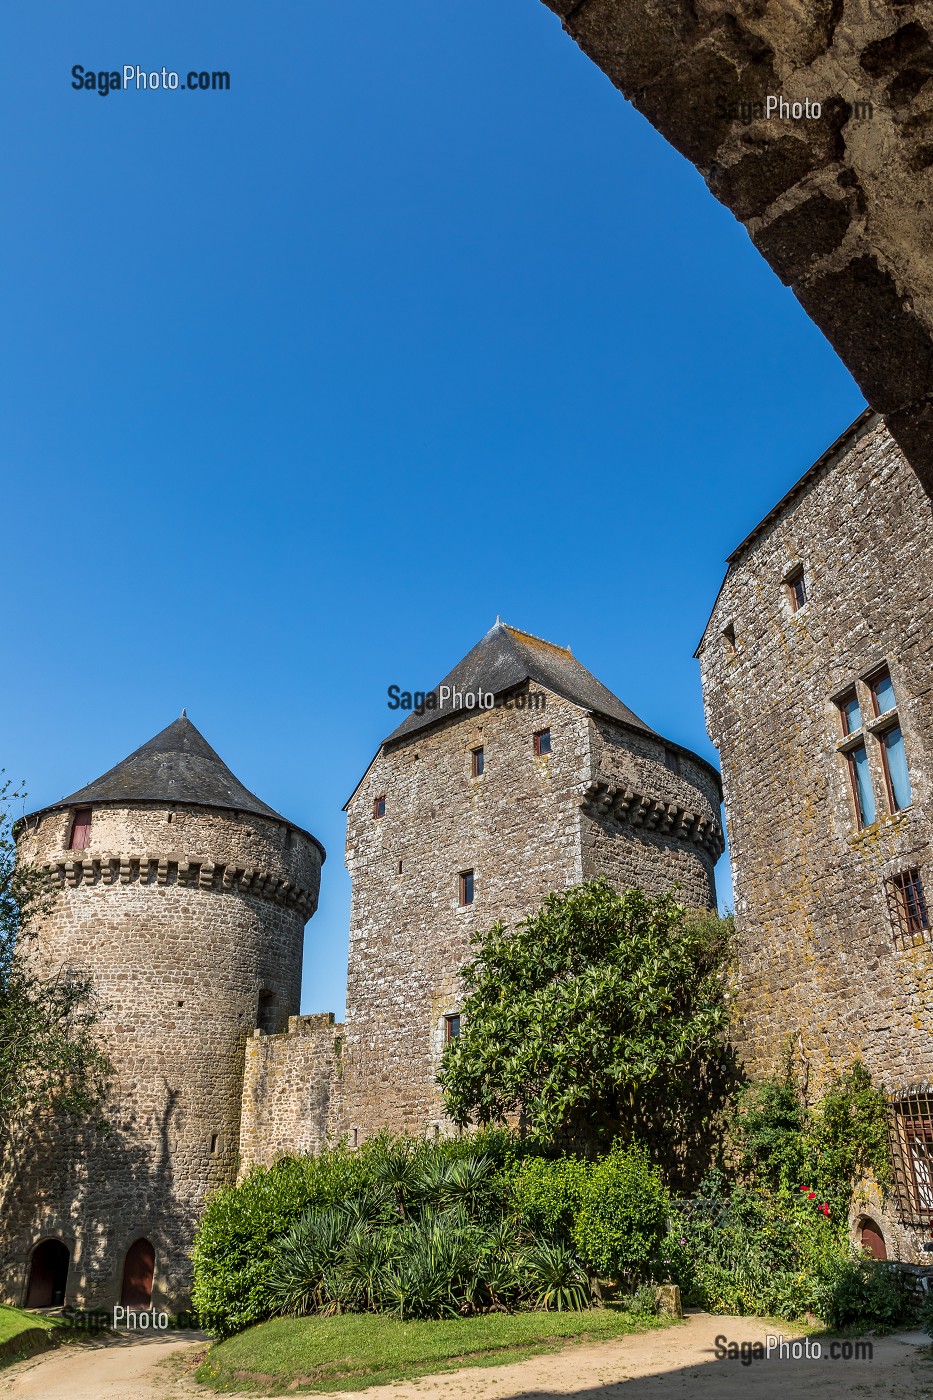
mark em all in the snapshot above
pixel 796 589
pixel 908 908
pixel 81 822
pixel 730 640
pixel 874 726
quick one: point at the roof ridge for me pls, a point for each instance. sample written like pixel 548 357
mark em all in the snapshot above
pixel 542 641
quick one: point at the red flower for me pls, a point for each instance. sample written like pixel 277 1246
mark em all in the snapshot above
pixel 811 1195
pixel 805 1188
pixel 825 1208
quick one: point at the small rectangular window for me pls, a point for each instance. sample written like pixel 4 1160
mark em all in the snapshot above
pixel 882 693
pixel 796 584
pixel 466 887
pixel 80 837
pixel 213 1143
pixel 850 712
pixel 908 907
pixel 895 768
pixel 452 1026
pixel 728 637
pixel 862 790
pixel 478 762
pixel 542 743
pixel 379 808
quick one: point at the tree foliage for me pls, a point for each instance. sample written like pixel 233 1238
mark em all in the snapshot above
pixel 51 1067
pixel 602 1015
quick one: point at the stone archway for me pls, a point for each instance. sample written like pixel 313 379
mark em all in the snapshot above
pixel 840 204
pixel 48 1274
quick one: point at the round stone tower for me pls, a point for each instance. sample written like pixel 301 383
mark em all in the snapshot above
pixel 185 898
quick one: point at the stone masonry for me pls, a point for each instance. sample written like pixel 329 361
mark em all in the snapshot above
pixel 187 904
pixel 292 1090
pixel 840 203
pixel 826 962
pixel 611 797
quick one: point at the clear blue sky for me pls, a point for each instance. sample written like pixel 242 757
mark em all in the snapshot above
pixel 304 382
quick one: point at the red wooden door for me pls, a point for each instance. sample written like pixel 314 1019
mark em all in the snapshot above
pixel 137 1275
pixel 872 1240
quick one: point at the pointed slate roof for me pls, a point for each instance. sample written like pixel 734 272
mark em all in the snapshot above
pixel 178 765
pixel 505 658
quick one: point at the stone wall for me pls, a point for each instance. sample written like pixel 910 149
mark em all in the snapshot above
pixel 183 916
pixel 292 1091
pixel 841 205
pixel 820 964
pixel 528 826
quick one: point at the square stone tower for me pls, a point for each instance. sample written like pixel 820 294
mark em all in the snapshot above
pixel 817 667
pixel 520 774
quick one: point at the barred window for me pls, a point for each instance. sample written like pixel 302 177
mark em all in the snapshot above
pixel 907 904
pixel 911 1129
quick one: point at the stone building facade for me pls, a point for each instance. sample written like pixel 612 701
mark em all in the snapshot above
pixel 817 668
pixel 185 897
pixel 471 812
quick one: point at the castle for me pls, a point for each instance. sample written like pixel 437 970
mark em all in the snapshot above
pixel 185 897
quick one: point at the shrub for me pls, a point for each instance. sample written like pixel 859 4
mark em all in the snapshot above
pixel 554 1276
pixel 867 1294
pixel 238 1239
pixel 620 1226
pixel 548 1195
pixel 754 1252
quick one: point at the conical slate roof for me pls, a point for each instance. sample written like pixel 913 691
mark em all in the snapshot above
pixel 505 658
pixel 178 765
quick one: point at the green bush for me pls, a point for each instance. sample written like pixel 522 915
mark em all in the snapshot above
pixel 622 1221
pixel 868 1295
pixel 548 1194
pixel 755 1252
pixel 239 1234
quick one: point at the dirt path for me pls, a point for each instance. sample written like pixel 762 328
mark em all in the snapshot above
pixel 679 1362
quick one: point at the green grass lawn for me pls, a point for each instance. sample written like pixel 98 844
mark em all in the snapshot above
pixel 349 1352
pixel 22 1333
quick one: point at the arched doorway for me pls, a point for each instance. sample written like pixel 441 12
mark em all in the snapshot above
pixel 871 1239
pixel 48 1275
pixel 137 1275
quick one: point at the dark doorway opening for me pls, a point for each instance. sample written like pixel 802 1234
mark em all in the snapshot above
pixel 872 1240
pixel 137 1275
pixel 48 1275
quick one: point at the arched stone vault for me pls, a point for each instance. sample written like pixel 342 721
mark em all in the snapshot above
pixel 839 204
